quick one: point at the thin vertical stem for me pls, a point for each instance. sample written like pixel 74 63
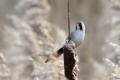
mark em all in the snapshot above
pixel 68 18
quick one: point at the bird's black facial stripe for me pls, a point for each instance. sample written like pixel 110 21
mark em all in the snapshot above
pixel 80 26
pixel 76 27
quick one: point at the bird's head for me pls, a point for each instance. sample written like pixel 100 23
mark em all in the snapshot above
pixel 80 25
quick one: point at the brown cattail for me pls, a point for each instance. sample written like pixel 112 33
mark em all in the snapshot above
pixel 70 68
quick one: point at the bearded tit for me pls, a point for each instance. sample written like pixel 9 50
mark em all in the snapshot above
pixel 77 36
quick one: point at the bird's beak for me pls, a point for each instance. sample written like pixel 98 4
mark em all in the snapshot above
pixel 77 24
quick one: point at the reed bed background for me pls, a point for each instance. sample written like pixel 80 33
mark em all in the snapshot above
pixel 31 31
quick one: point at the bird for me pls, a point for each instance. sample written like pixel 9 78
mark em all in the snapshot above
pixel 78 34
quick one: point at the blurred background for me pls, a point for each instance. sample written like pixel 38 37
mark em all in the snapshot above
pixel 32 30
